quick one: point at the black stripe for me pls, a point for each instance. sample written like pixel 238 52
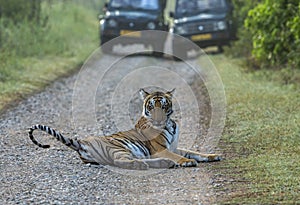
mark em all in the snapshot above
pixel 121 141
pixel 54 133
pixel 169 131
pixel 97 151
pixel 166 138
pixel 72 143
pixel 30 131
pixel 141 147
pixel 62 139
pixel 49 131
pixel 163 145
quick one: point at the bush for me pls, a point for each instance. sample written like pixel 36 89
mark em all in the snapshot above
pixel 19 10
pixel 66 29
pixel 275 29
pixel 243 46
pixel 61 24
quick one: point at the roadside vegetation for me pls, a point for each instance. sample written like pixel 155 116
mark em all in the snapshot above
pixel 261 76
pixel 261 140
pixel 269 34
pixel 41 41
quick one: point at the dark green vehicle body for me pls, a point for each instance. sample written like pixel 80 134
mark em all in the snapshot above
pixel 204 22
pixel 131 19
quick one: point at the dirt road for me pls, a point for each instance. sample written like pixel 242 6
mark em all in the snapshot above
pixel 100 100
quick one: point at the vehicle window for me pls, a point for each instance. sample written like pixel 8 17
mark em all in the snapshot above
pixel 192 7
pixel 134 4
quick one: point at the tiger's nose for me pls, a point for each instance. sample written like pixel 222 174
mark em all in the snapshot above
pixel 158 115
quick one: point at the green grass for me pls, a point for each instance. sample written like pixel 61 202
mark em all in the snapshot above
pixel 261 139
pixel 33 56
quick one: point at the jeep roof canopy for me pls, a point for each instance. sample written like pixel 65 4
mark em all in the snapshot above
pixel 193 7
pixel 150 5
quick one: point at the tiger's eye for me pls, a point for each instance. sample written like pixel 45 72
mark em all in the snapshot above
pixel 165 105
pixel 150 106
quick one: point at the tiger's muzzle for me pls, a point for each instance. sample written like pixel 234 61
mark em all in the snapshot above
pixel 158 116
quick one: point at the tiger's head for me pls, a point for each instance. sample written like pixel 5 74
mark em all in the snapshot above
pixel 157 106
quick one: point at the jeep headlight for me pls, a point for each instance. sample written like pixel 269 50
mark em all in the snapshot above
pixel 151 25
pixel 112 23
pixel 221 25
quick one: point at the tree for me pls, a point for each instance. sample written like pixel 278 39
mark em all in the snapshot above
pixel 275 29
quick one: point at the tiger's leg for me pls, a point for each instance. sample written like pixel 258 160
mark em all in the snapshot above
pixel 160 163
pixel 180 160
pixel 125 160
pixel 102 151
pixel 122 160
pixel 199 157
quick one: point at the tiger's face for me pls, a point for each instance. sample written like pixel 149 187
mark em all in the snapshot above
pixel 157 106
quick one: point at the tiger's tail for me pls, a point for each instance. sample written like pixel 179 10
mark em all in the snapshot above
pixel 72 143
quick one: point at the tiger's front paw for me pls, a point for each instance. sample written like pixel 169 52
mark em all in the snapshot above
pixel 209 158
pixel 214 157
pixel 184 162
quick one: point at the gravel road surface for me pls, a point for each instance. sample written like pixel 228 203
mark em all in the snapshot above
pixel 94 102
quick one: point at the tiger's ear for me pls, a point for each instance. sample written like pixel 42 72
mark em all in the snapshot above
pixel 171 92
pixel 143 93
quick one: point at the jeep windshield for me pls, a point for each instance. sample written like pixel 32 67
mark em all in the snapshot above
pixel 148 5
pixel 186 8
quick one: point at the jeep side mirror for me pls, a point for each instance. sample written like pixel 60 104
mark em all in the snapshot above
pixel 105 7
pixel 171 14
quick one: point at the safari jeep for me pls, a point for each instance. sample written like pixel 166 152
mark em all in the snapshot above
pixel 204 22
pixel 131 19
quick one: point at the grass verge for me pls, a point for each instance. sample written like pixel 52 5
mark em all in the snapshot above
pixel 33 56
pixel 261 140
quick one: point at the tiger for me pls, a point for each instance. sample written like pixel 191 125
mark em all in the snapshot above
pixel 152 143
